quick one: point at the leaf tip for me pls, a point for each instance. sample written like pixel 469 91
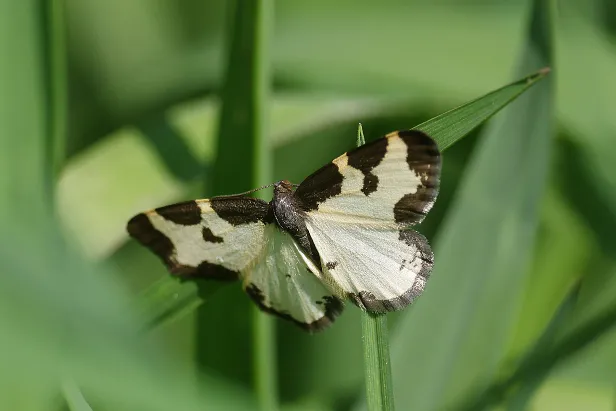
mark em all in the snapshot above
pixel 541 73
pixel 361 140
pixel 544 71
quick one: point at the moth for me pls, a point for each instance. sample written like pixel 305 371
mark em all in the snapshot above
pixel 342 234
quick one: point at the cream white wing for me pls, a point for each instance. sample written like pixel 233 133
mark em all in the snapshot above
pixel 379 267
pixel 211 239
pixel 393 179
pixel 284 282
pixel 358 209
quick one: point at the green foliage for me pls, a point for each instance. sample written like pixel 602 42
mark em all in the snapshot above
pixel 377 363
pixel 243 156
pixel 519 312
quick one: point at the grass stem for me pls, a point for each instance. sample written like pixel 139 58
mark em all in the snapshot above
pixel 57 93
pixel 377 367
pixel 264 355
pixel 243 159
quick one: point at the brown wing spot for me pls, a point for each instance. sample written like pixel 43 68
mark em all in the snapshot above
pixel 333 308
pixel 210 237
pixel 421 148
pixel 365 158
pixel 238 210
pixel 368 302
pixel 204 271
pixel 187 213
pixel 424 159
pixel 141 229
pixel 414 239
pixel 318 187
pixel 412 208
pixel 331 265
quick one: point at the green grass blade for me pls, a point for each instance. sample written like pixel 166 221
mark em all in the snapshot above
pixel 520 396
pixel 457 333
pixel 264 360
pixel 538 363
pixel 23 113
pixel 73 396
pixel 361 139
pixel 57 87
pixel 375 338
pixel 168 299
pixel 377 363
pixel 454 124
pixel 243 159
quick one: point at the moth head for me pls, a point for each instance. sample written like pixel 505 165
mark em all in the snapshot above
pixel 283 187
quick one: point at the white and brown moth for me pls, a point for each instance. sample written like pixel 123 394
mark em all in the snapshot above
pixel 343 233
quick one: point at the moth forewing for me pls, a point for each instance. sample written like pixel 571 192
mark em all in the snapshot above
pixel 360 224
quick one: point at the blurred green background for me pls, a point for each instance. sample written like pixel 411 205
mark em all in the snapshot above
pixel 144 80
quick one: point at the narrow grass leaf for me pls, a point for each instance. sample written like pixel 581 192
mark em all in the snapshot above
pixel 377 362
pixel 524 392
pixel 361 139
pixel 454 124
pixel 537 365
pixel 562 254
pixel 23 113
pixel 168 299
pixel 75 400
pixel 375 339
pixel 455 336
pixel 243 160
pixel 57 87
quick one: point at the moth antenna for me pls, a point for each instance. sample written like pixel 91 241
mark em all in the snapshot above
pixel 295 185
pixel 246 192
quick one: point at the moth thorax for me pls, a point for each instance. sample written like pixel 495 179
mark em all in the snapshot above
pixel 286 209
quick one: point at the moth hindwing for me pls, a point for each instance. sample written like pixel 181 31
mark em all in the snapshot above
pixel 344 233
